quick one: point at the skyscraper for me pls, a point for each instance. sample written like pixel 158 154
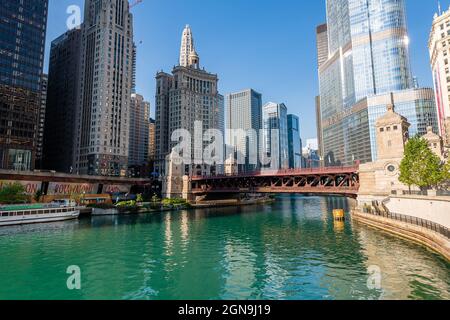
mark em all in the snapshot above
pixel 367 60
pixel 41 122
pixel 322 44
pixel 294 142
pixel 244 112
pixel 322 57
pixel 275 120
pixel 139 134
pixel 439 44
pixel 22 43
pixel 187 95
pixel 60 131
pixel 151 144
pixel 107 78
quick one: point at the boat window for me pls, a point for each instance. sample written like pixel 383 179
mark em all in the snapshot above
pixel 5 214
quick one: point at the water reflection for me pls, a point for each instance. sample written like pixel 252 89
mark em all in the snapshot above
pixel 291 249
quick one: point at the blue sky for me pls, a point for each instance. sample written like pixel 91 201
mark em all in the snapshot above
pixel 268 45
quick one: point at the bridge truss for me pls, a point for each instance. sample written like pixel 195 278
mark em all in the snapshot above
pixel 331 180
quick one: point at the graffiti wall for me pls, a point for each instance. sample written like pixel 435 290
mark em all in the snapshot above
pixel 112 188
pixel 65 189
pixel 31 187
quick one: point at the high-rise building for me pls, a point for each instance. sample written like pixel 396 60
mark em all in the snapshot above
pixel 294 141
pixel 151 144
pixel 22 43
pixel 322 57
pixel 322 44
pixel 244 112
pixel 439 45
pixel 106 86
pixel 60 132
pixel 41 122
pixel 319 127
pixel 139 134
pixel 187 95
pixel 368 59
pixel 275 126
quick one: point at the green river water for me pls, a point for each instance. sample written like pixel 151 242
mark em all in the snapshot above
pixel 290 249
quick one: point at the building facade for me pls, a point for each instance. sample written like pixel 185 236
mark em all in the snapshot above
pixel 439 47
pixel 322 44
pixel 294 142
pixel 151 144
pixel 244 112
pixel 62 102
pixel 368 59
pixel 275 126
pixel 41 123
pixel 186 96
pixel 107 63
pixel 138 152
pixel 22 43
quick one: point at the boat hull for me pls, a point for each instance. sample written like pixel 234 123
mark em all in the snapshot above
pixel 38 218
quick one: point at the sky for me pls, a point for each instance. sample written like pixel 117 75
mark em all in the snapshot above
pixel 267 45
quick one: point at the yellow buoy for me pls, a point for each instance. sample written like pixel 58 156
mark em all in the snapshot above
pixel 338 215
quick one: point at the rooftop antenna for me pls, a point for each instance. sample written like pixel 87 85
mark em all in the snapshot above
pixel 439 7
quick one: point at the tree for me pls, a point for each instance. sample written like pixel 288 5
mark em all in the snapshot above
pixel 38 195
pixel 420 166
pixel 13 194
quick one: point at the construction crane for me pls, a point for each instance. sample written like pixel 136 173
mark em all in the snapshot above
pixel 135 3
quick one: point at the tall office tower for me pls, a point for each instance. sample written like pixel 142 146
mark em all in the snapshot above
pixel 275 118
pixel 133 78
pixel 60 132
pixel 322 57
pixel 41 122
pixel 320 151
pixel 294 141
pixel 107 77
pixel 151 143
pixel 22 43
pixel 139 134
pixel 244 112
pixel 322 44
pixel 439 45
pixel 187 95
pixel 368 59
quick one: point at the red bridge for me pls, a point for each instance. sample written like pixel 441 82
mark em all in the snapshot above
pixel 329 180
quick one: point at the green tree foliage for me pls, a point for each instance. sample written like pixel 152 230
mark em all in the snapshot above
pixel 38 195
pixel 420 166
pixel 13 194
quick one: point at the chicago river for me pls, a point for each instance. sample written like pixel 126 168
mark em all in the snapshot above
pixel 291 249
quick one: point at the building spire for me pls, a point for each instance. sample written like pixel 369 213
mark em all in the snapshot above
pixel 188 55
pixel 439 7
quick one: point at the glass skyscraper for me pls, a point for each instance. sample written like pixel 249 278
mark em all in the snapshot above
pixel 367 58
pixel 244 112
pixel 22 42
pixel 294 141
pixel 275 120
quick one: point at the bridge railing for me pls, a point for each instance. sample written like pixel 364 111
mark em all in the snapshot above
pixel 261 173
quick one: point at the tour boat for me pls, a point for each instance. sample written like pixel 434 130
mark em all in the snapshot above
pixel 25 214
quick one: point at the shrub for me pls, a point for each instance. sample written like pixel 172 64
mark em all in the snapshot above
pixel 13 194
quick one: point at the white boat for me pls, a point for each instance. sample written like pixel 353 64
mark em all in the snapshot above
pixel 17 215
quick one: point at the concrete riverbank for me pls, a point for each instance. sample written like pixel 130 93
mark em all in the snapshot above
pixel 419 234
